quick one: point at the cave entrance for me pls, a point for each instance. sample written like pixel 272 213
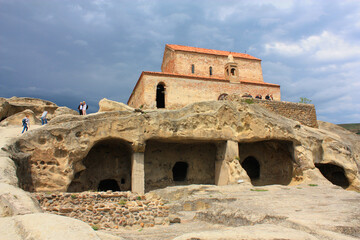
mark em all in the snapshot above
pixel 333 173
pixel 267 162
pixel 107 167
pixel 171 163
pixel 180 171
pixel 252 168
pixel 108 184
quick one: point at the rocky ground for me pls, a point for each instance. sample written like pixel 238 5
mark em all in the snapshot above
pixel 311 210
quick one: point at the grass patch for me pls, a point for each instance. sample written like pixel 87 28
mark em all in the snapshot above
pixel 249 101
pixel 95 227
pixel 313 185
pixel 258 190
pixel 122 201
pixel 73 196
pixel 299 187
pixel 138 198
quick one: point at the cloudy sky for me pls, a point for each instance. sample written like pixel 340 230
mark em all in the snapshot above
pixel 66 51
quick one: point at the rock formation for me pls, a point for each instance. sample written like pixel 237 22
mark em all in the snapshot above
pixel 77 152
pixel 12 110
pixel 224 142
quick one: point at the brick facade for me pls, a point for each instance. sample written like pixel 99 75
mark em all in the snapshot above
pixel 195 74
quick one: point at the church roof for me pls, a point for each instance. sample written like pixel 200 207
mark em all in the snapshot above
pixel 210 51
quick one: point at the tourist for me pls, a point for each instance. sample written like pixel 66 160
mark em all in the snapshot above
pixel 43 118
pixel 26 123
pixel 84 108
pixel 80 108
pixel 258 96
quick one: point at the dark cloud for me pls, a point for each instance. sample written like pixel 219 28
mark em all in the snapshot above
pixel 68 51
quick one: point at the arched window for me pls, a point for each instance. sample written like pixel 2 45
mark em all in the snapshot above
pixel 210 71
pixel 160 96
pixel 192 68
pixel 233 71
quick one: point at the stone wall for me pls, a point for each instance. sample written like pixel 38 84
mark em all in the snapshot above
pixel 106 209
pixel 301 112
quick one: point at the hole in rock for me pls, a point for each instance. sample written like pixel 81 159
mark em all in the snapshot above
pixel 333 173
pixel 108 184
pixel 252 168
pixel 180 171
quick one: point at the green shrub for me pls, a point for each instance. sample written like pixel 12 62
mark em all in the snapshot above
pixel 304 100
pixel 95 227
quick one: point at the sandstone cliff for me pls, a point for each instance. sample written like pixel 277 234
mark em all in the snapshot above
pixel 56 157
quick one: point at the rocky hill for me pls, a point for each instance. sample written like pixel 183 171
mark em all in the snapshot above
pixel 352 127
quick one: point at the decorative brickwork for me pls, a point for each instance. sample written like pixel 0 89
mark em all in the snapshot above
pixel 106 209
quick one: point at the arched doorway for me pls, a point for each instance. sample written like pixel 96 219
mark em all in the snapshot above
pixel 252 168
pixel 108 167
pixel 180 171
pixel 160 96
pixel 333 173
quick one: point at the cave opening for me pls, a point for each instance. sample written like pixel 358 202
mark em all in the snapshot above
pixel 108 184
pixel 180 171
pixel 107 167
pixel 333 173
pixel 267 162
pixel 252 168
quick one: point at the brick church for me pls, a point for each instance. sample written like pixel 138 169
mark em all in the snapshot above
pixel 190 74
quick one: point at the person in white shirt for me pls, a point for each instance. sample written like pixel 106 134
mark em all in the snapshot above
pixel 84 107
pixel 43 118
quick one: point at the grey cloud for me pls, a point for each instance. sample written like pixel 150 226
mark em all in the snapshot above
pixel 68 51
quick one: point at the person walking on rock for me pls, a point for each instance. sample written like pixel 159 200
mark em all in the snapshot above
pixel 43 118
pixel 25 123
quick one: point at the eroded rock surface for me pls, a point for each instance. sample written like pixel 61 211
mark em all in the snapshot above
pixel 70 149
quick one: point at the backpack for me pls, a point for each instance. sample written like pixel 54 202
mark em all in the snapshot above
pixel 24 122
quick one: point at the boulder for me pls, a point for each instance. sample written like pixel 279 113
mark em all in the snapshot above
pixel 8 171
pixel 16 119
pixel 64 110
pixel 42 226
pixel 14 105
pixel 15 201
pixel 106 105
